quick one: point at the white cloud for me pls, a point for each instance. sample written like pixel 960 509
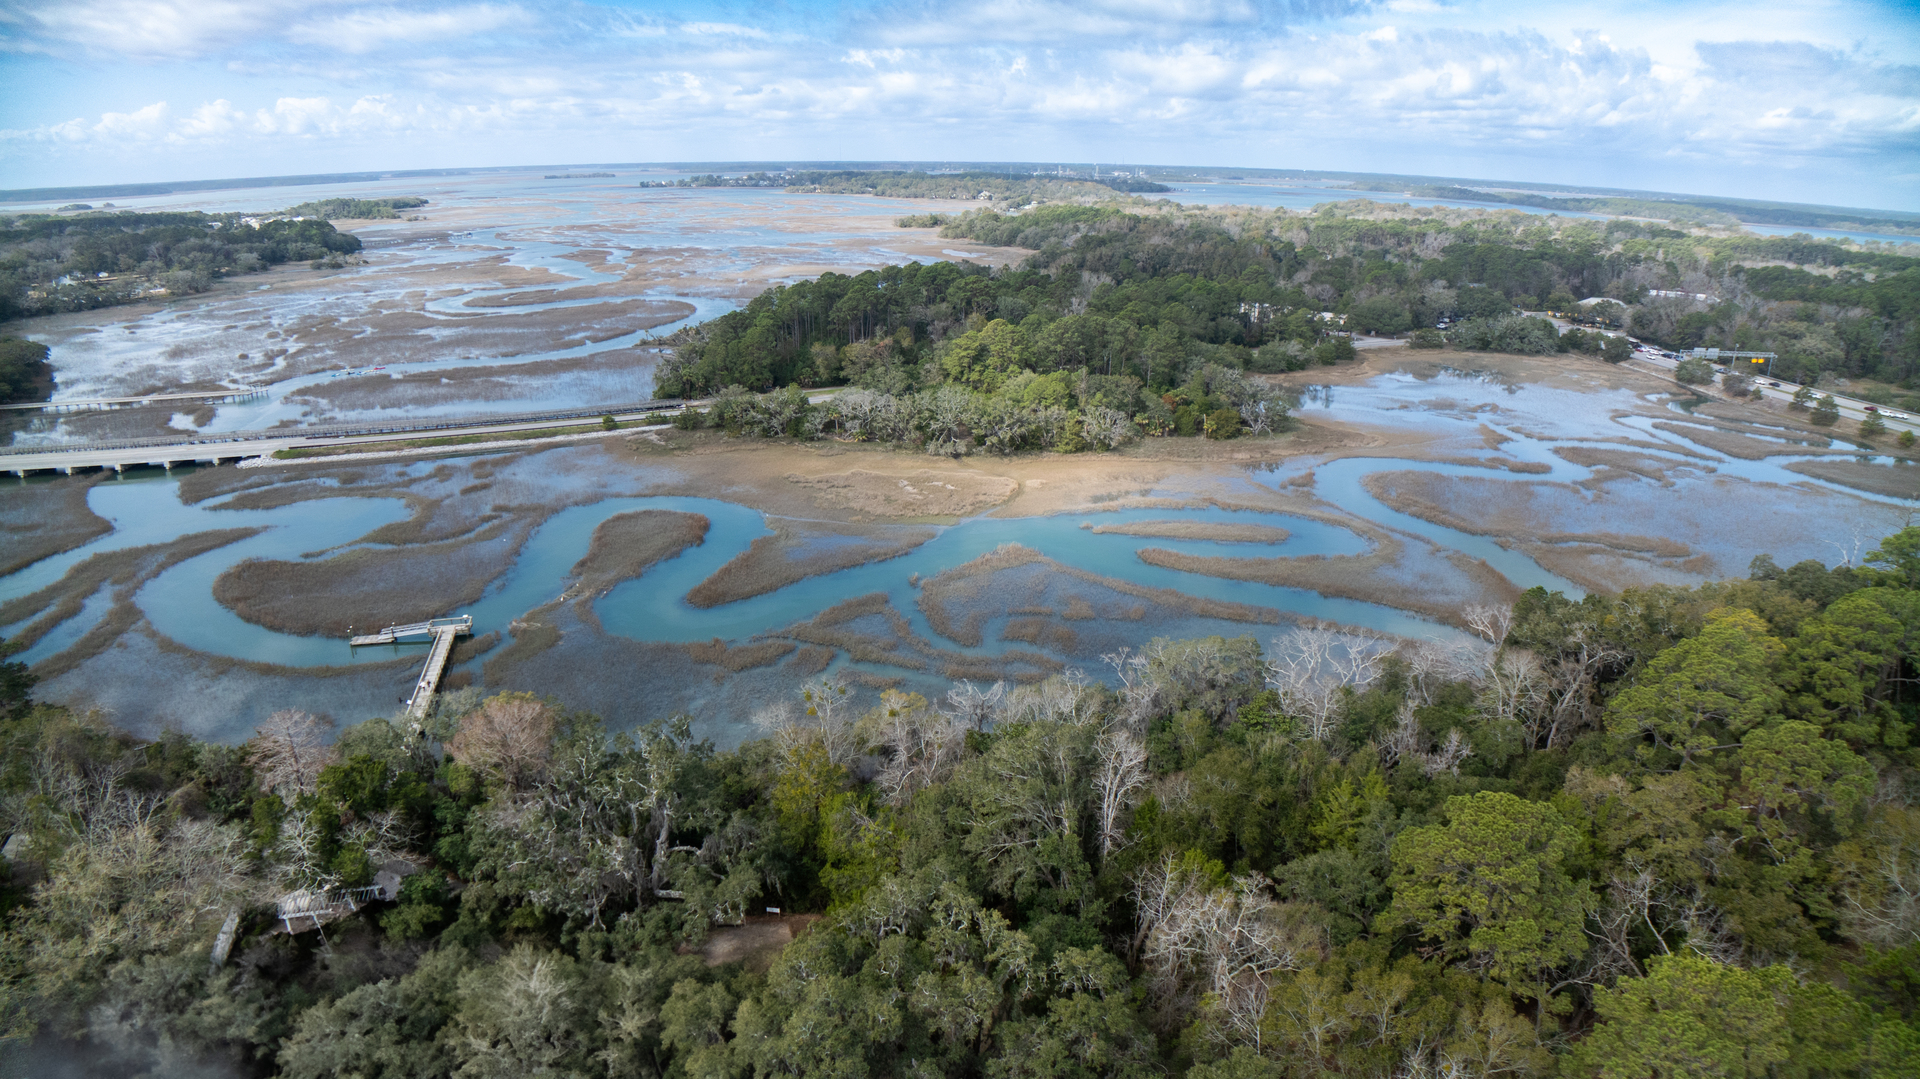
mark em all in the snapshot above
pixel 367 29
pixel 1214 80
pixel 140 124
pixel 148 28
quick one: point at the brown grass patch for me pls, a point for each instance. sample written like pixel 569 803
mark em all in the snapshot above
pixel 1360 577
pixel 1658 546
pixel 801 549
pixel 1041 631
pixel 944 596
pixel 1079 610
pixel 873 679
pixel 125 571
pixel 1214 531
pixel 1900 480
pixel 1420 494
pixel 530 638
pixel 1638 464
pixel 42 519
pixel 467 648
pixel 925 493
pixel 1734 443
pixel 1603 569
pixel 368 588
pixel 755 943
pixel 739 657
pixel 811 660
pixel 625 546
pixel 1009 665
pixel 966 584
pixel 847 610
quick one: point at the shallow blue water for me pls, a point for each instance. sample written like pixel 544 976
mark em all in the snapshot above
pixel 1531 420
pixel 180 603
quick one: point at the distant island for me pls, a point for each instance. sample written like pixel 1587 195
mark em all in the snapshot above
pixel 972 184
pixel 53 263
pixel 1702 211
pixel 578 175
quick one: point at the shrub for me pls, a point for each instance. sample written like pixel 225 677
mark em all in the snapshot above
pixel 1693 372
pixel 1334 350
pixel 1428 338
pixel 1223 423
pixel 1827 412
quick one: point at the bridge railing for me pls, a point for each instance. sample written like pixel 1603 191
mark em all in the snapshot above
pixel 348 430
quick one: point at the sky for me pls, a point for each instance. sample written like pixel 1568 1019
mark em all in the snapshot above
pixel 1799 100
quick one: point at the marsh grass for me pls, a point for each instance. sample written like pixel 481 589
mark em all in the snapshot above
pixel 1734 441
pixel 44 518
pixel 1643 465
pixel 1042 632
pixel 625 546
pixel 465 650
pixel 1215 531
pixel 370 587
pixel 739 657
pixel 958 602
pixel 1900 480
pixel 125 571
pixel 811 660
pixel 801 550
pixel 1383 576
pixel 531 637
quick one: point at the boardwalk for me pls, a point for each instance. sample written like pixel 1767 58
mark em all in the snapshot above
pixel 443 631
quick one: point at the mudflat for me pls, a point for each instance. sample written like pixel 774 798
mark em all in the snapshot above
pixel 1412 485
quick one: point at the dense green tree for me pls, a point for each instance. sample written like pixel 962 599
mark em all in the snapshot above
pixel 1490 885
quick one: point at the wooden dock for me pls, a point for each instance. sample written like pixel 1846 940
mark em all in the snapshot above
pixel 443 631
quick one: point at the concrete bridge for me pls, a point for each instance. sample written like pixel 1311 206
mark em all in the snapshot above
pixel 224 446
pixel 97 404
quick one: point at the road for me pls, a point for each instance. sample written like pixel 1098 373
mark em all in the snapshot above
pixel 121 457
pixel 1850 409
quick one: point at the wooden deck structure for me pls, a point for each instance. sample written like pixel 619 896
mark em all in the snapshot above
pixel 443 631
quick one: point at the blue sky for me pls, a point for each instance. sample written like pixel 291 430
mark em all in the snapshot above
pixel 1808 100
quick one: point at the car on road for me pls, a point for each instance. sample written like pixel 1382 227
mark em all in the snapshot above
pixel 1873 408
pixel 1775 385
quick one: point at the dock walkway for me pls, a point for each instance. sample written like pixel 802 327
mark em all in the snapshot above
pixel 443 631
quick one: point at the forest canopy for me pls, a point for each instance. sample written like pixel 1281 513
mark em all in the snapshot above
pixel 51 264
pixel 1157 295
pixel 1669 832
